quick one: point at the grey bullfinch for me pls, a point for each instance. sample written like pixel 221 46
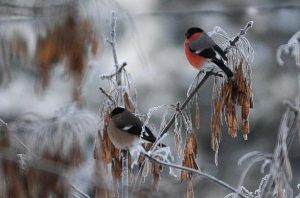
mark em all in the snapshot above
pixel 124 129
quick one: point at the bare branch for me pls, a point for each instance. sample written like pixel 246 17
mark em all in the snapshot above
pixel 79 191
pixel 291 106
pixel 112 42
pixel 107 95
pixel 206 175
pixel 187 100
pixel 109 76
pixel 241 33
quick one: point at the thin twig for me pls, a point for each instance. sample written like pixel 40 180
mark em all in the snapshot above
pixel 107 95
pixel 118 74
pixel 187 100
pixel 241 33
pixel 110 76
pixel 291 106
pixel 3 122
pixel 112 42
pixel 79 191
pixel 208 176
pixel 289 139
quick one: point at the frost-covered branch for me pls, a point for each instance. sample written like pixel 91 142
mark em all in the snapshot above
pixel 107 95
pixel 206 175
pixel 241 33
pixel 79 191
pixel 112 42
pixel 110 76
pixel 183 105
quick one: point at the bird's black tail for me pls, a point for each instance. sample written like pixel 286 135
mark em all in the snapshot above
pixel 222 66
pixel 150 137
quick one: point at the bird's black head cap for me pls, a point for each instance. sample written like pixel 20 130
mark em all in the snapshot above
pixel 192 31
pixel 116 111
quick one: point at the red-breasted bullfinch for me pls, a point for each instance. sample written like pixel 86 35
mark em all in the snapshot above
pixel 124 129
pixel 199 48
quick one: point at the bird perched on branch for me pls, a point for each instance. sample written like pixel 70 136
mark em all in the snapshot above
pixel 200 48
pixel 124 129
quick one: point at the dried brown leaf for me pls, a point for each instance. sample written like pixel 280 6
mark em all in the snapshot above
pixel 189 190
pixel 190 155
pixel 128 103
pixel 156 170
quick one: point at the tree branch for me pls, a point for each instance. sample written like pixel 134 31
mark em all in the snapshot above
pixel 242 32
pixel 110 76
pixel 206 175
pixel 107 95
pixel 187 100
pixel 112 42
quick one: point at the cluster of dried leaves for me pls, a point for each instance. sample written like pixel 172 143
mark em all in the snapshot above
pixel 229 96
pixel 66 41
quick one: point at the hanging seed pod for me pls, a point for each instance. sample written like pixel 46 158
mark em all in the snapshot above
pixel 156 171
pixel 177 134
pixel 189 189
pixel 128 103
pixel 116 168
pixel 190 154
pixel 105 141
pixel 234 92
pixel 216 123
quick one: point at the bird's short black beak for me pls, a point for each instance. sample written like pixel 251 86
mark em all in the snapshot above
pixel 186 34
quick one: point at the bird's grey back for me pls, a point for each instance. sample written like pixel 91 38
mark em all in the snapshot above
pixel 202 43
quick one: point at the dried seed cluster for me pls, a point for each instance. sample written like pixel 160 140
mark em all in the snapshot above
pixel 228 97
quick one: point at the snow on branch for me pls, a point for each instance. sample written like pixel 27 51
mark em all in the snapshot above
pixel 206 175
pixel 292 47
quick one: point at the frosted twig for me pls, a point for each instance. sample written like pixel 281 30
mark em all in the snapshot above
pixel 107 95
pixel 206 175
pixel 79 191
pixel 182 106
pixel 118 74
pixel 3 122
pixel 241 33
pixel 112 42
pixel 291 106
pixel 109 76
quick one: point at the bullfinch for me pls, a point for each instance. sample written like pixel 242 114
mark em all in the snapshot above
pixel 124 129
pixel 200 48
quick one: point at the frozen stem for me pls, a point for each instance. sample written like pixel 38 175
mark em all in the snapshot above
pixel 206 175
pixel 184 104
pixel 241 33
pixel 112 42
pixel 107 95
pixel 110 76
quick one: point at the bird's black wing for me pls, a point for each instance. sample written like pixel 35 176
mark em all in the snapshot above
pixel 208 53
pixel 134 126
pixel 136 129
pixel 220 51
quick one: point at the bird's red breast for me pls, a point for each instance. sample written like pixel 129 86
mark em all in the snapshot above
pixel 194 59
